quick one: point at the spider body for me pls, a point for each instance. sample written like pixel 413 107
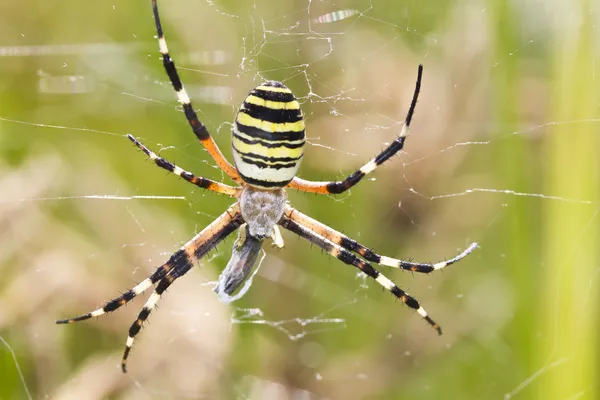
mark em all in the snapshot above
pixel 268 143
pixel 268 137
pixel 262 209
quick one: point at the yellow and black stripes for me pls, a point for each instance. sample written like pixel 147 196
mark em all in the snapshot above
pixel 268 136
pixel 204 183
pixel 354 178
pixel 347 257
pixel 197 126
pixel 177 265
pixel 368 254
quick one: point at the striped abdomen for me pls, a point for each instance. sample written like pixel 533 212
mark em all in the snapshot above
pixel 268 136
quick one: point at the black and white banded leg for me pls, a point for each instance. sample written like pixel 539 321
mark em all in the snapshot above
pixel 347 257
pixel 126 297
pixel 199 181
pixel 368 254
pixel 197 126
pixel 144 314
pixel 386 154
pixel 177 265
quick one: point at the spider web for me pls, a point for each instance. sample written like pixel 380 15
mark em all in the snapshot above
pixel 497 154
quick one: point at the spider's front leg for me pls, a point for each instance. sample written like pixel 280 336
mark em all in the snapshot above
pixel 347 257
pixel 177 266
pixel 341 246
pixel 368 254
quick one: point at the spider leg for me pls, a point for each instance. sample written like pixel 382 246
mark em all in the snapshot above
pixel 197 126
pixel 143 316
pixel 126 297
pixel 177 265
pixel 368 254
pixel 354 178
pixel 347 257
pixel 199 181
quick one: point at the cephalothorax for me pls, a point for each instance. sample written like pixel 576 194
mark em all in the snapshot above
pixel 268 141
pixel 262 210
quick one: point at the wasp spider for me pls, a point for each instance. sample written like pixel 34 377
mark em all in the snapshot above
pixel 268 145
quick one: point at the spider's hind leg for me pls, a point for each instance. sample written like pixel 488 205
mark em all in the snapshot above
pixel 337 187
pixel 197 126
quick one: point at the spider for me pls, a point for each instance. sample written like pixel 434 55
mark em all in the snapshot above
pixel 267 144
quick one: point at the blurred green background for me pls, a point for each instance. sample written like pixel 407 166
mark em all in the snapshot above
pixel 502 152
